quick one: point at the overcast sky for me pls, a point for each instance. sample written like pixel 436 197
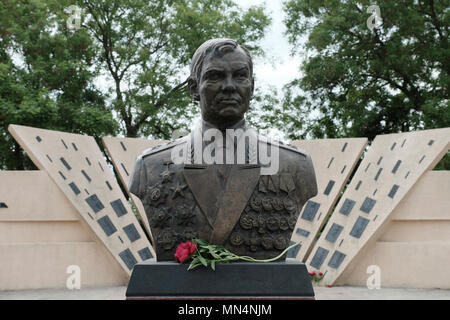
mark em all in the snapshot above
pixel 281 68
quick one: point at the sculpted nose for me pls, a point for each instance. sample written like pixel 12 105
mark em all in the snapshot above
pixel 228 85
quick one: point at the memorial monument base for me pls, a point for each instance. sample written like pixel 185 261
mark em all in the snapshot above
pixel 285 280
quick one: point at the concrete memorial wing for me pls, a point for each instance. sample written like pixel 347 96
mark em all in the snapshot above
pixel 334 160
pixel 123 153
pixel 77 166
pixel 391 167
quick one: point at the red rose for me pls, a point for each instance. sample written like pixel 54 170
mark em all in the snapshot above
pixel 329 286
pixel 320 274
pixel 184 251
pixel 312 274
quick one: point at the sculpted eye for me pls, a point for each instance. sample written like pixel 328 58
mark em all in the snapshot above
pixel 213 75
pixel 241 75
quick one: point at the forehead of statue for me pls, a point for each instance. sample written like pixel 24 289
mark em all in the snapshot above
pixel 230 61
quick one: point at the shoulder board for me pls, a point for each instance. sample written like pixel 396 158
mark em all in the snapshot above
pixel 161 147
pixel 283 145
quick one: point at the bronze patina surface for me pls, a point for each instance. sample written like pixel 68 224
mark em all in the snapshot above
pixel 232 204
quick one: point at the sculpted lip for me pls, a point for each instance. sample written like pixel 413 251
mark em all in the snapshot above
pixel 228 100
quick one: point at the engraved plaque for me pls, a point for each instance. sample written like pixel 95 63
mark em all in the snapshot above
pixel 107 225
pixel 329 187
pixel 359 227
pixel 347 207
pixel 145 254
pixel 310 210
pixel 74 188
pixel 294 251
pixel 334 232
pixel 302 232
pixel 393 191
pixel 119 208
pixel 319 257
pixel 394 170
pixel 95 203
pixel 336 259
pixel 65 163
pixel 128 258
pixel 367 205
pixel 131 232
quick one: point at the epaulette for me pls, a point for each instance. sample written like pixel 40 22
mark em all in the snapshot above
pixel 162 147
pixel 283 145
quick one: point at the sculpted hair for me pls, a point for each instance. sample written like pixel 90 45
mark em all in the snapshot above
pixel 214 48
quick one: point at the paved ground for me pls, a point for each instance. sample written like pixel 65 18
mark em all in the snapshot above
pixel 335 293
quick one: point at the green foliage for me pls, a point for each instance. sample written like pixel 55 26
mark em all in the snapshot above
pixel 145 47
pixel 358 82
pixel 45 77
pixel 122 72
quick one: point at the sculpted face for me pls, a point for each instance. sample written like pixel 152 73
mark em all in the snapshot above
pixel 225 88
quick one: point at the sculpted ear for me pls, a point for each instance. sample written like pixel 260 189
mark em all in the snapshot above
pixel 193 89
pixel 253 88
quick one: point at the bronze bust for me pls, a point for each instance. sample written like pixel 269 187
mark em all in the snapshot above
pixel 223 182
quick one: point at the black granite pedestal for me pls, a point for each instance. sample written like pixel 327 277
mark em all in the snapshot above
pixel 239 280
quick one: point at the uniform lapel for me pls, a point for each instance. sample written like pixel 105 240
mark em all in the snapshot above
pixel 240 185
pixel 205 187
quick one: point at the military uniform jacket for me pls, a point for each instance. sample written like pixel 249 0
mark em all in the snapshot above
pixel 228 204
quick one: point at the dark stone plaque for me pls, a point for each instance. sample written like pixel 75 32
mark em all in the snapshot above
pixel 64 162
pixel 397 165
pixel 329 187
pixel 128 258
pixel 334 232
pixel 302 232
pixel 86 176
pixel 65 145
pixel 283 279
pixel 359 227
pixel 310 211
pixel 331 161
pixel 345 146
pixel 393 145
pixel 119 208
pixel 145 254
pixel 319 257
pixel 336 259
pixel 367 205
pixel 347 207
pixel 95 203
pixel 74 188
pixel 393 191
pixel 124 169
pixel 294 251
pixel 378 174
pixel 107 225
pixel 62 175
pixel 131 232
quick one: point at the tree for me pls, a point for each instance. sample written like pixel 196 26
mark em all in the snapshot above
pixel 145 48
pixel 362 82
pixel 121 71
pixel 46 77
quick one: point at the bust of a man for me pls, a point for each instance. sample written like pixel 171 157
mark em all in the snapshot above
pixel 223 182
